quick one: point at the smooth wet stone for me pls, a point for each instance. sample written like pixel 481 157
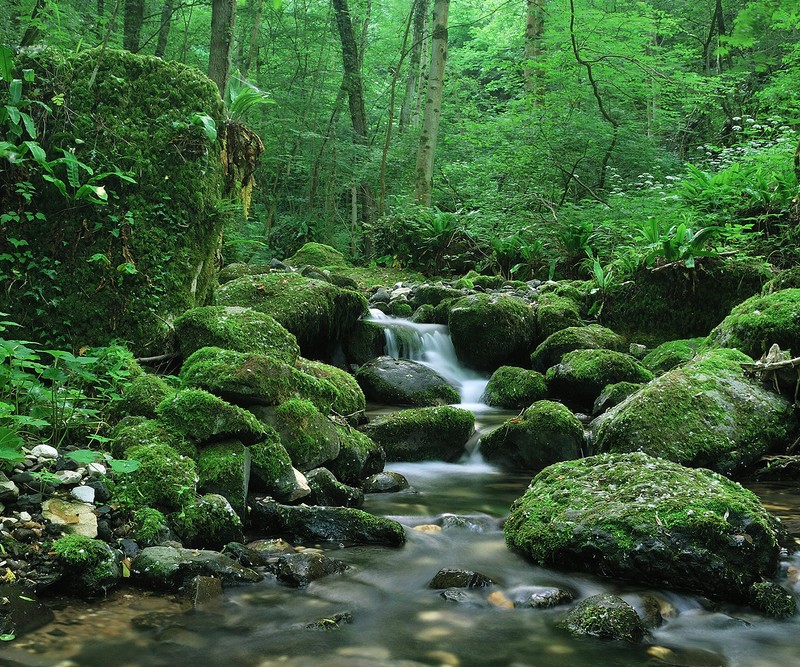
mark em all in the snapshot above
pixel 9 491
pixel 540 597
pixel 473 524
pixel 45 452
pixel 169 567
pixel 404 382
pixel 21 611
pixel 606 616
pixel 385 482
pixel 457 578
pixel 300 569
pixel 204 593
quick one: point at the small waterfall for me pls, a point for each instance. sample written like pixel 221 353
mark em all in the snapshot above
pixel 430 344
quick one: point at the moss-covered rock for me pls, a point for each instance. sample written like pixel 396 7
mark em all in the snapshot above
pixel 150 527
pixel 164 479
pixel 149 254
pixel 433 295
pixel 488 282
pixel 403 382
pixel 592 337
pixel 423 314
pixel 772 599
pixel 420 434
pixel 491 330
pixel 554 313
pixel 169 568
pixel 206 418
pixel 605 616
pixel 149 433
pixel 329 491
pixel 235 328
pixel 310 438
pixel 224 468
pixel 349 400
pixel 91 567
pixel 319 255
pixel 255 379
pixel 647 520
pixel 614 394
pixel 400 308
pixel 272 465
pixel 581 375
pixel 207 522
pixel 142 396
pixel 514 388
pixel 237 270
pixel 316 312
pixel 705 413
pixel 670 354
pixel 761 321
pixel 359 456
pixel 545 433
pixel 365 341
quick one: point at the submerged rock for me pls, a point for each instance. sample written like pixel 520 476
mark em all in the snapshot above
pixel 169 567
pixel 648 520
pixel 606 616
pixel 21 611
pixel 404 382
pixel 458 578
pixel 300 569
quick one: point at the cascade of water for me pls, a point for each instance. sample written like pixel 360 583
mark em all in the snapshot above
pixel 430 344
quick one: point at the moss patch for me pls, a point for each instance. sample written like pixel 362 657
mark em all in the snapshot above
pixel 149 433
pixel 164 479
pixel 671 354
pixel 514 388
pixel 554 313
pixel 319 255
pixel 91 566
pixel 208 522
pixel 349 400
pixel 309 436
pixel 272 465
pixel 592 337
pixel 224 468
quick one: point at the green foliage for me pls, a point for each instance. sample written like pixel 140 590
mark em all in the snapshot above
pixel 242 98
pixel 678 243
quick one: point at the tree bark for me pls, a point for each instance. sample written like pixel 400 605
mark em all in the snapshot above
pixel 433 104
pixel 163 28
pixel 415 63
pixel 33 31
pixel 223 20
pixel 534 30
pixel 132 24
pixel 252 48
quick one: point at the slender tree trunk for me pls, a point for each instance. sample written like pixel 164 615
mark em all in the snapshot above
pixel 433 104
pixel 415 62
pixel 534 30
pixel 223 20
pixel 252 48
pixel 163 28
pixel 422 80
pixel 132 24
pixel 33 31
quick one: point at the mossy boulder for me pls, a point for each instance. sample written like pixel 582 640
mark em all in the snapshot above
pixel 554 313
pixel 705 413
pixel 271 466
pixel 142 396
pixel 164 479
pixel 761 321
pixel 366 341
pixel 670 354
pixel 423 434
pixel 349 400
pixel 514 388
pixel 148 255
pixel 404 382
pixel 170 568
pixel 254 379
pixel 433 295
pixel 329 491
pixel 606 616
pixel 591 337
pixel 205 418
pixel 545 433
pixel 310 438
pixel 316 312
pixel 772 599
pixel 581 375
pixel 647 520
pixel 319 255
pixel 149 432
pixel 614 394
pixel 91 567
pixel 224 468
pixel 359 456
pixel 489 331
pixel 235 328
pixel 150 527
pixel 208 522
pixel 423 315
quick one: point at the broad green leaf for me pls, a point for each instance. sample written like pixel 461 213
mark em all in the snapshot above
pixel 6 63
pixel 123 466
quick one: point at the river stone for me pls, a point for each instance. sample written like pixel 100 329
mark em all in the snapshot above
pixel 365 341
pixel 300 569
pixel 76 518
pixel 458 578
pixel 545 433
pixel 491 330
pixel 385 482
pixel 540 597
pixel 169 567
pixel 272 471
pixel 310 438
pixel 606 616
pixel 327 490
pixel 514 388
pixel 423 434
pixel 328 524
pixel 359 456
pixel 21 611
pixel 705 413
pixel 647 520
pixel 404 382
pixel 207 522
pixel 550 351
pixel 581 375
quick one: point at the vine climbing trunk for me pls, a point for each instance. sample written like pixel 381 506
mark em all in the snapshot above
pixel 433 105
pixel 223 20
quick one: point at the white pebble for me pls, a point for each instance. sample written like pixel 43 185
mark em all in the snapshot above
pixel 83 493
pixel 47 452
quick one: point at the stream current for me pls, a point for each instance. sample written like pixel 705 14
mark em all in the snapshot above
pixel 382 612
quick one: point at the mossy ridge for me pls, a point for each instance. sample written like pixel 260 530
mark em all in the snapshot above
pixel 235 328
pixel 149 432
pixel 349 400
pixel 136 116
pixel 514 388
pixel 164 479
pixel 607 512
pixel 149 527
pixel 319 255
pixel 593 336
pixel 254 379
pixel 670 354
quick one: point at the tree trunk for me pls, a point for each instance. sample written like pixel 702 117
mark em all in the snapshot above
pixel 223 19
pixel 253 43
pixel 132 24
pixel 415 62
pixel 163 28
pixel 33 31
pixel 433 104
pixel 534 29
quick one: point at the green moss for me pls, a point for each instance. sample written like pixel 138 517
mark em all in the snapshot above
pixel 309 437
pixel 224 468
pixel 399 308
pixel 761 321
pixel 235 270
pixel 349 400
pixel 149 527
pixel 91 565
pixel 433 295
pixel 671 354
pixel 614 394
pixel 359 457
pixel 254 379
pixel 554 313
pixel 514 388
pixel 316 312
pixel 235 328
pixel 772 599
pixel 424 314
pixel 319 255
pixel 164 478
pixel 366 341
pixel 205 417
pixel 272 464
pixel 149 433
pixel 208 522
pixel 606 616
pixel 550 351
pixel 790 278
pixel 488 282
pixel 142 396
pixel 136 116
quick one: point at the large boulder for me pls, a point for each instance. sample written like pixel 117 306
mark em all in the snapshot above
pixel 491 330
pixel 647 520
pixel 310 438
pixel 316 312
pixel 235 328
pixel 593 336
pixel 545 433
pixel 761 321
pixel 349 400
pixel 514 388
pixel 319 255
pixel 404 382
pixel 705 413
pixel 421 434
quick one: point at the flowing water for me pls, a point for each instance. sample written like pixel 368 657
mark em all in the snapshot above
pixel 453 515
